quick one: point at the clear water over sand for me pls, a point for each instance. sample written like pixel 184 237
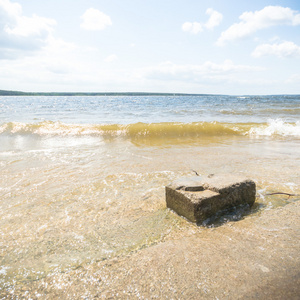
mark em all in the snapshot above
pixel 82 178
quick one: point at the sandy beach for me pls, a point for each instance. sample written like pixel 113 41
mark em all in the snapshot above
pixel 248 259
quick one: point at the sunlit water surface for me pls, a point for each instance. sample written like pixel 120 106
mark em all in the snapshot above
pixel 82 179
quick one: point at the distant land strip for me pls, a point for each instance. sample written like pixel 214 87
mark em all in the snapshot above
pixel 17 93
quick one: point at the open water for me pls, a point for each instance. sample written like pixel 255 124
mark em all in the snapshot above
pixel 82 178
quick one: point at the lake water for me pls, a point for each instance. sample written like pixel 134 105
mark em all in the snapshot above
pixel 82 178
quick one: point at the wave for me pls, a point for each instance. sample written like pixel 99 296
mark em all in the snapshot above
pixel 158 130
pixel 276 128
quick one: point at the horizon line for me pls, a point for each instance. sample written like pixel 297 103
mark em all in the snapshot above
pixel 21 93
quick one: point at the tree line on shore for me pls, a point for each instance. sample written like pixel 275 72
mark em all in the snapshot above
pixel 18 93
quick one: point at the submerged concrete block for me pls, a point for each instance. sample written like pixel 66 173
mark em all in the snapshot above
pixel 198 198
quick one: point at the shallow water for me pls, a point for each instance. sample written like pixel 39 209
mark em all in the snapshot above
pixel 72 195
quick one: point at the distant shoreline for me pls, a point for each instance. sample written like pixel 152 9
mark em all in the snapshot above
pixel 19 93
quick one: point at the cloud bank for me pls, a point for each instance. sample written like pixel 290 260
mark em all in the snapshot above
pixel 285 49
pixel 252 22
pixel 19 34
pixel 170 71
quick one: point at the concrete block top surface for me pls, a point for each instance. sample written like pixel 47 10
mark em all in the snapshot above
pixel 212 182
pixel 198 196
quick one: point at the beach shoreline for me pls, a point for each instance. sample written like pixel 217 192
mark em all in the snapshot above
pixel 83 210
pixel 239 260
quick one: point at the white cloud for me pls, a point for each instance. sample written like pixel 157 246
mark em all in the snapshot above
pixel 214 20
pixel 285 49
pixel 32 58
pixel 251 22
pixel 56 56
pixel 171 71
pixel 294 78
pixel 58 66
pixel 225 77
pixel 94 19
pixel 111 58
pixel 15 23
pixel 11 9
pixel 34 26
pixel 194 27
pixel 20 34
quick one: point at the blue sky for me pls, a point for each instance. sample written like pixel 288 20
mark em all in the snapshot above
pixel 220 47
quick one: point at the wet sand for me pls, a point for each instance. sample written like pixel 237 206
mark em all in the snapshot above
pixel 84 218
pixel 254 258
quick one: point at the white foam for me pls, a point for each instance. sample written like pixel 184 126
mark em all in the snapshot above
pixel 277 127
pixel 3 270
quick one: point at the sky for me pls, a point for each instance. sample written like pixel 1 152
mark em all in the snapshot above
pixel 235 47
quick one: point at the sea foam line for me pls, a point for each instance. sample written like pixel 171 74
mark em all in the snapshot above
pixel 276 127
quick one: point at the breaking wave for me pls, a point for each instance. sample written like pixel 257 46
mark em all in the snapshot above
pixel 157 130
pixel 276 128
